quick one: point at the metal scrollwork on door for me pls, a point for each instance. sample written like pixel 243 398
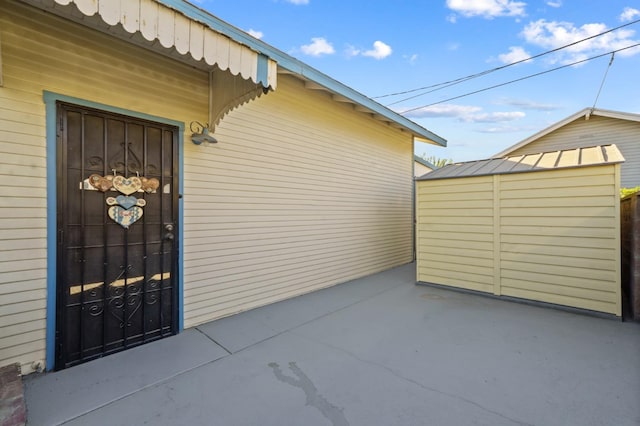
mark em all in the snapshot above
pixel 119 297
pixel 125 297
pixel 125 209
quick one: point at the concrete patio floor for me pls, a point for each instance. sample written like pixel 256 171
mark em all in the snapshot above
pixel 375 351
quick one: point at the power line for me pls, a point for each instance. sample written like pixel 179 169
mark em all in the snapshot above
pixel 450 83
pixel 603 79
pixel 520 79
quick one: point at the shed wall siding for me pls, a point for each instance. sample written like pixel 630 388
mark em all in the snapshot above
pixel 328 199
pixel 556 235
pixel 455 232
pixel 285 204
pixel 568 252
pixel 597 130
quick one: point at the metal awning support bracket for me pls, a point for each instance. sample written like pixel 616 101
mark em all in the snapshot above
pixel 227 91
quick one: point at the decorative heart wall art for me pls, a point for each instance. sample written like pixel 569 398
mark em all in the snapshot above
pixel 124 185
pixel 149 185
pixel 127 186
pixel 101 183
pixel 126 201
pixel 125 209
pixel 125 217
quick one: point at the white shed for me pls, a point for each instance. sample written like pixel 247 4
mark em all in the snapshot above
pixel 543 227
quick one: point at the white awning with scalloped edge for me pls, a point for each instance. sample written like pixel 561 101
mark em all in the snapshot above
pixel 158 26
pixel 171 28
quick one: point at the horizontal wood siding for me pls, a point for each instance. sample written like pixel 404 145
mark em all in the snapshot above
pixel 553 236
pixel 455 233
pixel 300 193
pixel 597 130
pixel 552 262
pixel 42 52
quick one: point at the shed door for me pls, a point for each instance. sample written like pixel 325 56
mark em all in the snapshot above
pixel 117 210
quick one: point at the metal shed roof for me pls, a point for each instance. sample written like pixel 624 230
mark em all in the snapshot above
pixel 570 158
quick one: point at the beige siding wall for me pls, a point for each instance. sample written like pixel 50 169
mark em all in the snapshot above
pixel 455 233
pixel 329 198
pixel 40 52
pixel 556 238
pixel 597 130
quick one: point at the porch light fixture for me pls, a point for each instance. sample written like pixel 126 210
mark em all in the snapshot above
pixel 200 134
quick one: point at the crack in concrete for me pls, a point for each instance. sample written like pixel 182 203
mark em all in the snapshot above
pixel 331 412
pixel 309 321
pixel 213 340
pixel 416 383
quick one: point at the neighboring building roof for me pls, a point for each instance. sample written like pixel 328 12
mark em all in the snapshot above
pixel 586 113
pixel 189 34
pixel 570 158
pixel 424 162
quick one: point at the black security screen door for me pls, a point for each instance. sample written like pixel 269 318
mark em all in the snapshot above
pixel 117 217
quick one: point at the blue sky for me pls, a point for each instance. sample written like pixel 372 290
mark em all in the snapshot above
pixel 380 47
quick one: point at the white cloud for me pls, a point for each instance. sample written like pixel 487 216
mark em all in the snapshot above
pixel 526 104
pixel 319 46
pixel 351 51
pixel 443 110
pixel 557 3
pixel 629 14
pixel 453 46
pixel 506 129
pixel 380 50
pixel 552 34
pixel 487 9
pixel 493 117
pixel 255 33
pixel 298 2
pixel 412 59
pixel 465 113
pixel 515 54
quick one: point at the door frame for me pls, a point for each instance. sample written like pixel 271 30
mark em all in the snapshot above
pixel 50 100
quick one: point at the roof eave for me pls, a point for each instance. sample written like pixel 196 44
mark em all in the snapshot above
pixel 424 162
pixel 582 113
pixel 345 93
pixel 307 72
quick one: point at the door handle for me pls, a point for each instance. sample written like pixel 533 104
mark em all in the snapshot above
pixel 169 234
